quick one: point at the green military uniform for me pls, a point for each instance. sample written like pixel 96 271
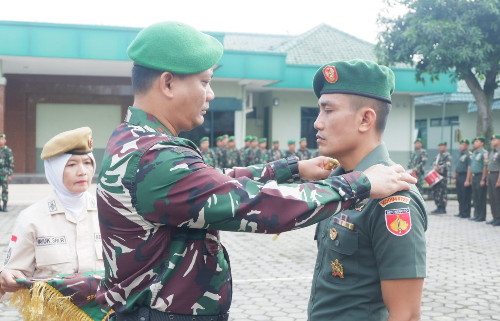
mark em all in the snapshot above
pixel 288 153
pixel 249 156
pixel 440 189
pixel 380 240
pixel 233 156
pixel 304 153
pixel 418 159
pixel 493 190
pixel 221 154
pixel 464 193
pixel 478 161
pixel 6 170
pixel 276 153
pixel 209 155
pixel 262 156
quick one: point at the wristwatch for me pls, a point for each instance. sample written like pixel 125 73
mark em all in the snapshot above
pixel 293 165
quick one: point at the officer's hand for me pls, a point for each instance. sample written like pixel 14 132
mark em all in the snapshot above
pixel 453 180
pixel 466 183
pixel 387 180
pixel 9 178
pixel 483 183
pixel 315 168
pixel 7 280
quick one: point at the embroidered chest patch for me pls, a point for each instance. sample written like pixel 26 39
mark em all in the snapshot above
pixel 398 221
pixel 50 240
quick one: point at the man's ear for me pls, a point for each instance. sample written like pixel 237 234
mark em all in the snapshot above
pixel 368 118
pixel 165 83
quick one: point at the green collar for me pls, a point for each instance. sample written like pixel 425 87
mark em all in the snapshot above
pixel 379 155
pixel 140 118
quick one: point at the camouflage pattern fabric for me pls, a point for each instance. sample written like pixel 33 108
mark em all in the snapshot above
pixel 61 297
pixel 6 170
pixel 209 157
pixel 418 159
pixel 277 154
pixel 288 153
pixel 234 158
pixel 262 156
pixel 250 157
pixel 304 154
pixel 221 154
pixel 440 189
pixel 161 209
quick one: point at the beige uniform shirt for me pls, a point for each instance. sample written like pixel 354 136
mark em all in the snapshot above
pixel 47 241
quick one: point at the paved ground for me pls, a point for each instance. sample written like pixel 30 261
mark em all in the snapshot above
pixel 272 278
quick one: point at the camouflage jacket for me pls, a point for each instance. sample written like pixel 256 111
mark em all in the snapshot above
pixel 304 154
pixel 209 156
pixel 234 158
pixel 288 153
pixel 160 208
pixel 221 154
pixel 277 154
pixel 443 163
pixel 418 158
pixel 6 162
pixel 250 157
pixel 262 157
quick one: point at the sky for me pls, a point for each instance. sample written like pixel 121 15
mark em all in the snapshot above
pixel 355 17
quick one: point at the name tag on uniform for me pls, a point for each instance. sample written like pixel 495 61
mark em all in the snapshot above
pixel 50 240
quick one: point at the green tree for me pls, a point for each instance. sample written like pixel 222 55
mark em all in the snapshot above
pixel 443 36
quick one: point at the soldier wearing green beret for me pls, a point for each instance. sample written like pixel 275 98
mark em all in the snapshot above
pixel 246 145
pixel 303 152
pixel 221 151
pixel 464 193
pixel 6 170
pixel 161 207
pixel 442 165
pixel 371 260
pixel 263 155
pixel 233 154
pixel 418 159
pixel 209 155
pixel 476 177
pixel 250 155
pixel 291 149
pixel 276 152
pixel 494 180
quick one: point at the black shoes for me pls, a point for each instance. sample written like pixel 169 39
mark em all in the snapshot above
pixel 439 210
pixel 4 207
pixel 496 223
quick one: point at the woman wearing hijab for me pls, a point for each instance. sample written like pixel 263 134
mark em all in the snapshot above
pixel 59 234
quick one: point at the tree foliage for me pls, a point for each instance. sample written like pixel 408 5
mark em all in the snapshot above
pixel 442 36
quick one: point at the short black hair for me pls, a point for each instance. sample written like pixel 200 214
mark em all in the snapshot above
pixel 142 78
pixel 381 108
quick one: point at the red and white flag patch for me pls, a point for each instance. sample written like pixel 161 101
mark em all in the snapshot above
pixel 398 221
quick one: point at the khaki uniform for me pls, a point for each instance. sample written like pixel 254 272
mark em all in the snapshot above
pixel 47 241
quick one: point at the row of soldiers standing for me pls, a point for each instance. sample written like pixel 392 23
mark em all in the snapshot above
pixel 476 177
pixel 255 151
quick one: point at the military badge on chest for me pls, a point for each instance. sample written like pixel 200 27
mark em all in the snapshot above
pixel 337 269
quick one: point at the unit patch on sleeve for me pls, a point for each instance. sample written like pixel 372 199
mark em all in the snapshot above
pixel 394 199
pixel 398 221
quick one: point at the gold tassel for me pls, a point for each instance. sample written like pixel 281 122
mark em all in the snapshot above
pixel 43 302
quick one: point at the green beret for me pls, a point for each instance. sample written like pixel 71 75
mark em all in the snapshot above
pixel 355 77
pixel 481 138
pixel 253 138
pixel 77 141
pixel 291 141
pixel 263 140
pixel 2 135
pixel 230 138
pixel 225 136
pixel 248 138
pixel 176 47
pixel 465 141
pixel 443 143
pixel 205 138
pixel 302 139
pixel 495 136
pixel 419 140
pixel 219 138
pixel 275 141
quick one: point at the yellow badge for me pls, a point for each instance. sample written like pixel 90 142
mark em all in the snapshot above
pixel 394 199
pixel 333 233
pixel 337 269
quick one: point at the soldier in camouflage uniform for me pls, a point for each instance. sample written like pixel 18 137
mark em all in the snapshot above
pixel 233 154
pixel 291 149
pixel 207 153
pixel 161 207
pixel 246 146
pixel 418 159
pixel 6 170
pixel 221 151
pixel 276 152
pixel 442 165
pixel 249 157
pixel 263 155
pixel 303 153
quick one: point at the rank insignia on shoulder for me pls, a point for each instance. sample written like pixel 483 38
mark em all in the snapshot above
pixel 394 199
pixel 337 269
pixel 359 207
pixel 52 206
pixel 398 221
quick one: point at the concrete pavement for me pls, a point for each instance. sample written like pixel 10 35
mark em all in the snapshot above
pixel 272 278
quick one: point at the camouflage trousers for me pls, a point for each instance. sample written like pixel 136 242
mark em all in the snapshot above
pixel 5 188
pixel 440 193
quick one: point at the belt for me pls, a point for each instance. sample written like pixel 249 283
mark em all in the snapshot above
pixel 493 172
pixel 474 174
pixel 148 314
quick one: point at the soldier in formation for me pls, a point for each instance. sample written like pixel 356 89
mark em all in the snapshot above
pixel 476 177
pixel 418 159
pixel 303 153
pixel 464 191
pixel 6 170
pixel 442 165
pixel 494 180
